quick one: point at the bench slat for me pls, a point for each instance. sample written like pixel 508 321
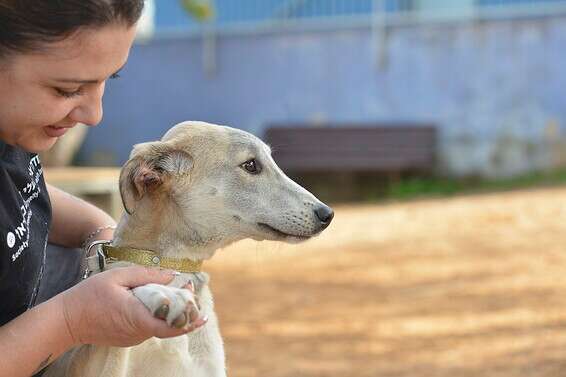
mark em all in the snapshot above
pixel 353 148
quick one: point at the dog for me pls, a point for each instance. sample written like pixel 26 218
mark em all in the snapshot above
pixel 198 189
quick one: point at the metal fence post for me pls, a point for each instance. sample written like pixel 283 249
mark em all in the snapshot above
pixel 379 34
pixel 209 49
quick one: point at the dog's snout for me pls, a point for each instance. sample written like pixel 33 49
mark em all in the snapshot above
pixel 324 214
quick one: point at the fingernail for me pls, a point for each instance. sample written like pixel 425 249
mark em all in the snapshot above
pixel 175 273
pixel 205 318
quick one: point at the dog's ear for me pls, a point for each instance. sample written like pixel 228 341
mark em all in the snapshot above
pixel 148 168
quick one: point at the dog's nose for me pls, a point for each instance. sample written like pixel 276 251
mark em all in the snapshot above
pixel 324 214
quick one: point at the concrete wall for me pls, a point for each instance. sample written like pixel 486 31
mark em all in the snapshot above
pixel 496 89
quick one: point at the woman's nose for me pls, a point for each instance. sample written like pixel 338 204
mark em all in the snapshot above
pixel 89 111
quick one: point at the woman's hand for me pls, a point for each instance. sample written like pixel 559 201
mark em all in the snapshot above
pixel 102 310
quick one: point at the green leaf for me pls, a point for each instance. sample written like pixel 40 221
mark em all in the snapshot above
pixel 202 10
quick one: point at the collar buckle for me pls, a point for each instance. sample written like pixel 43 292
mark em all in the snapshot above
pixel 95 261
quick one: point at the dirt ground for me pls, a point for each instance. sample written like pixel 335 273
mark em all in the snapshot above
pixel 469 286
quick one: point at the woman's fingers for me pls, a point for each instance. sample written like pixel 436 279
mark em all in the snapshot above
pixel 190 286
pixel 135 276
pixel 161 329
pixel 103 310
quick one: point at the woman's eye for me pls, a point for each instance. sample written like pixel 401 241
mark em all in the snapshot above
pixel 68 94
pixel 251 166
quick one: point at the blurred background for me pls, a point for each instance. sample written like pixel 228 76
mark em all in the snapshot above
pixel 437 130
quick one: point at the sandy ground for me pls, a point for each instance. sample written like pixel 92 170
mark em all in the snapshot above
pixel 470 286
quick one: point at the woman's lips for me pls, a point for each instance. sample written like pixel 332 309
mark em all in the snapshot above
pixel 53 131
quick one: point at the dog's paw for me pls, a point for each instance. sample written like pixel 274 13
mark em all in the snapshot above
pixel 177 306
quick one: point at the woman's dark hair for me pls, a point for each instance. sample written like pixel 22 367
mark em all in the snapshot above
pixel 28 25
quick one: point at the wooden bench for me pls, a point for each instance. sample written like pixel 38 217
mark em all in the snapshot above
pixel 96 185
pixel 385 149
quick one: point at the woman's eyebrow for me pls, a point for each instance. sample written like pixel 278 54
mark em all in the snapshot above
pixel 78 81
pixel 86 81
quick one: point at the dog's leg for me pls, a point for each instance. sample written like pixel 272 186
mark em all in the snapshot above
pixel 206 346
pixel 177 306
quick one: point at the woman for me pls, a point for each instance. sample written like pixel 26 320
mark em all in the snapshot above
pixel 55 58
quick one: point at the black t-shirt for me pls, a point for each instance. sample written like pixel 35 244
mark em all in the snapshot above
pixel 25 217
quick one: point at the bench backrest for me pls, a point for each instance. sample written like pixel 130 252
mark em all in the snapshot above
pixel 395 148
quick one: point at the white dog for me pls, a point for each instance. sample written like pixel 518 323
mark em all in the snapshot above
pixel 200 188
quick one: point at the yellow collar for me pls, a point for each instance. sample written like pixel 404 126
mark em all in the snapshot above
pixel 149 258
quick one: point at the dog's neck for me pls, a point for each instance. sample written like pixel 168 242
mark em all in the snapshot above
pixel 166 237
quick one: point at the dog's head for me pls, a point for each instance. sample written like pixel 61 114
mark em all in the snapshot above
pixel 213 185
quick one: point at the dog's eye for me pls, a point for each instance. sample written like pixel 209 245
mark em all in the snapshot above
pixel 251 166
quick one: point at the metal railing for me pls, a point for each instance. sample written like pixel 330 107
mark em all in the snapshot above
pixel 233 15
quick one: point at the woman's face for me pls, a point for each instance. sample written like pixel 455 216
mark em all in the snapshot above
pixel 44 94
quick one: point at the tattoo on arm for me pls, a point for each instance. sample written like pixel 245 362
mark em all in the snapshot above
pixel 43 364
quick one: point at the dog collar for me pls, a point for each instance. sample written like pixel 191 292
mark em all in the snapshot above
pixel 104 253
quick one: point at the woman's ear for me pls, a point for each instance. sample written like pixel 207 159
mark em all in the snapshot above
pixel 149 166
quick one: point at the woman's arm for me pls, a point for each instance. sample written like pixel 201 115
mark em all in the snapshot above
pixel 33 340
pixel 74 219
pixel 101 310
